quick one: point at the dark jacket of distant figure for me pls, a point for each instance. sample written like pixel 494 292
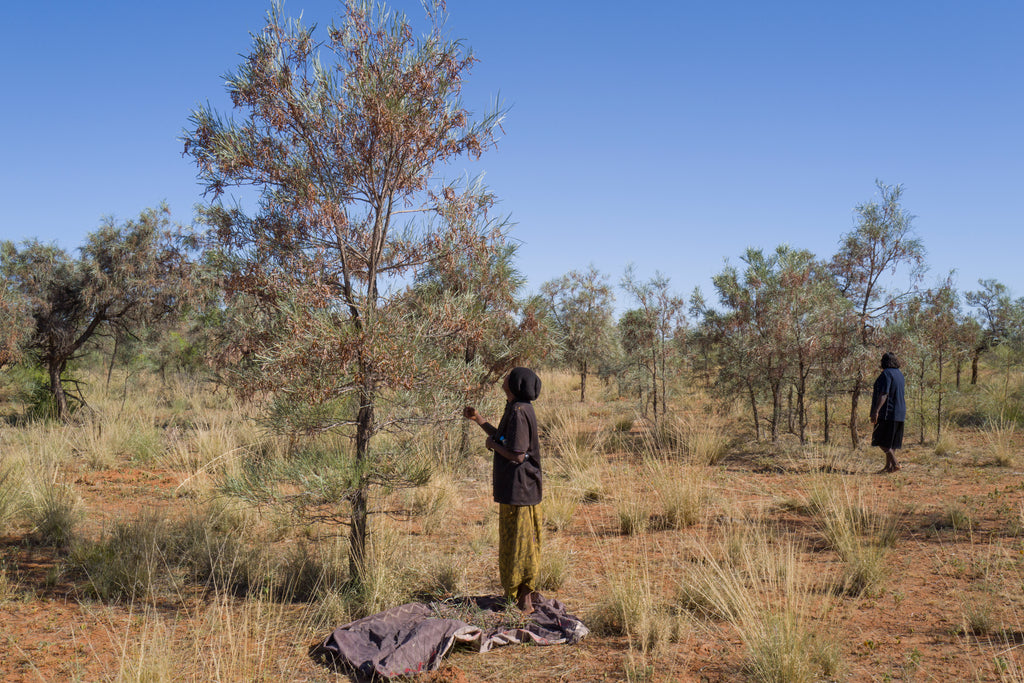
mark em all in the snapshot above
pixel 519 484
pixel 890 384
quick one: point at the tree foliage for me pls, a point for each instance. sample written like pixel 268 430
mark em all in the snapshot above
pixel 342 139
pixel 883 242
pixel 580 303
pixel 653 331
pixel 126 276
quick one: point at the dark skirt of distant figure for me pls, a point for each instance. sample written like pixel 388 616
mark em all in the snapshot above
pixel 888 435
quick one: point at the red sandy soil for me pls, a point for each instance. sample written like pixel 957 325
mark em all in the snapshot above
pixel 912 630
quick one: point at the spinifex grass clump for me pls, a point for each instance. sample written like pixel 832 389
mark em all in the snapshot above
pixel 573 453
pixel 211 544
pixel 698 438
pixel 128 561
pixel 560 504
pixel 634 514
pixel 999 435
pixel 632 607
pixel 54 511
pixel 682 492
pixel 11 498
pixel 758 586
pixel 555 566
pixel 860 528
pixel 433 503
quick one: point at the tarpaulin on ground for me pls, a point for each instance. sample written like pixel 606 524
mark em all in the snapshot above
pixel 413 638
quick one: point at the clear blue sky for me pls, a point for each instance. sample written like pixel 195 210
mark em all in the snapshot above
pixel 671 135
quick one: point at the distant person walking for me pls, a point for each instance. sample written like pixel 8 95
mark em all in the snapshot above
pixel 889 411
pixel 517 484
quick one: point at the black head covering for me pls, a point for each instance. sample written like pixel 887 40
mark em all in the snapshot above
pixel 524 384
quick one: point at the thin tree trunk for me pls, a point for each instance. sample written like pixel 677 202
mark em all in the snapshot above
pixel 974 366
pixel 753 408
pixel 938 408
pixel 920 403
pixel 113 355
pixel 827 420
pixel 583 382
pixel 854 404
pixel 789 411
pixel 60 400
pixel 360 503
pixel 776 411
pixel 801 411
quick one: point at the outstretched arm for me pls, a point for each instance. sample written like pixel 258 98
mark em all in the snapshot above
pixel 470 413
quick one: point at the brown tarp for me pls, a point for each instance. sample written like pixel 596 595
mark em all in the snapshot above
pixel 413 638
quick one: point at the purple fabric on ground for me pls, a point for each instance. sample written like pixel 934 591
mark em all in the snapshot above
pixel 412 638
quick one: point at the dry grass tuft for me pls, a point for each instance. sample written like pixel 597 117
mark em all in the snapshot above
pixel 631 608
pixel 999 435
pixel 682 491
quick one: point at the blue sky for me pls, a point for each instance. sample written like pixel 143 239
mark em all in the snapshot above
pixel 672 135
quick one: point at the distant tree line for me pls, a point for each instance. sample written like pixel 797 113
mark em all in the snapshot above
pixel 791 331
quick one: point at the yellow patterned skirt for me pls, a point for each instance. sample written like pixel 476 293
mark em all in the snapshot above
pixel 519 547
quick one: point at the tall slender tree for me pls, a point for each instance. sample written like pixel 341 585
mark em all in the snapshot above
pixel 662 322
pixel 342 137
pixel 998 315
pixel 883 242
pixel 581 306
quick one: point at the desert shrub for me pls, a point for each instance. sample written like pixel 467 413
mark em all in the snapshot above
pixel 682 492
pixel 11 498
pixel 128 561
pixel 54 513
pixel 631 609
pixel 209 544
pixel 782 649
pixel 31 387
pixel 307 571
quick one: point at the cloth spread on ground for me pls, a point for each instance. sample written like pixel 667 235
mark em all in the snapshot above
pixel 413 638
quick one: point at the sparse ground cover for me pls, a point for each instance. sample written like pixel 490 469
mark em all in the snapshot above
pixel 693 554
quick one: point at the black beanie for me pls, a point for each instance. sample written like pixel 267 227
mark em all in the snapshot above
pixel 524 384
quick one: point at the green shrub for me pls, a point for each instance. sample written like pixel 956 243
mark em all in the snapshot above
pixel 54 515
pixel 128 562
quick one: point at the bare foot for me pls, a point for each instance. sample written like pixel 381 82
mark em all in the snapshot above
pixel 524 600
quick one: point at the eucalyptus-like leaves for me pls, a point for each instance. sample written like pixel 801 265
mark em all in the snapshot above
pixel 342 135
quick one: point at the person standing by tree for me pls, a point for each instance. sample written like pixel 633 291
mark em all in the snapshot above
pixel 517 483
pixel 889 411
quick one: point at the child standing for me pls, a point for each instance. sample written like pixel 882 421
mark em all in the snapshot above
pixel 517 484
